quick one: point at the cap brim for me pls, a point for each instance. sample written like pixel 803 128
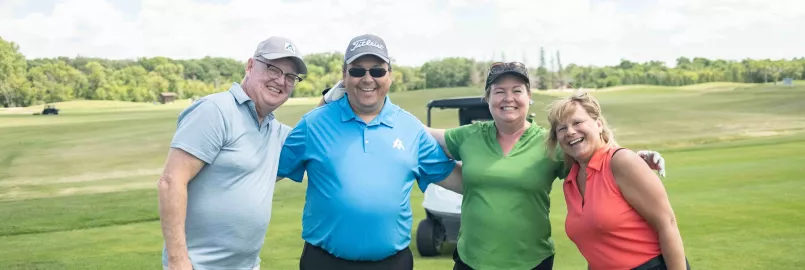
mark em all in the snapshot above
pixel 300 64
pixel 496 76
pixel 355 57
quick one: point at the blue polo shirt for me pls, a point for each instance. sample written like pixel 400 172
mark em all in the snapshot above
pixel 360 177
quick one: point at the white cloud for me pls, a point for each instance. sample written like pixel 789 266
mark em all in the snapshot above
pixel 585 31
pixel 183 28
pixel 73 27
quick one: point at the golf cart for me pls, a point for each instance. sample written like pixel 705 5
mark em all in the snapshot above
pixel 49 109
pixel 442 206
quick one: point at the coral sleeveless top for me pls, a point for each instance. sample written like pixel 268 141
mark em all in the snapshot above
pixel 608 232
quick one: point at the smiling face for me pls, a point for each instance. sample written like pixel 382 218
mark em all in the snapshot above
pixel 579 128
pixel 367 81
pixel 578 133
pixel 509 99
pixel 269 83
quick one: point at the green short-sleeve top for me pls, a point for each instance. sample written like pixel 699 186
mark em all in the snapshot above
pixel 505 210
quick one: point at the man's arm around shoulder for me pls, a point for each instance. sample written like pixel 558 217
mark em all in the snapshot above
pixel 294 153
pixel 438 135
pixel 436 167
pixel 284 131
pixel 455 181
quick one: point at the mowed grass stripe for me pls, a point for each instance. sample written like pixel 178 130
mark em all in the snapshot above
pixel 82 186
pixel 49 153
pixel 132 246
pixel 77 212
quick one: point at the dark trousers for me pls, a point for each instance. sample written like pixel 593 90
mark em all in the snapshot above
pixel 316 258
pixel 657 263
pixel 546 264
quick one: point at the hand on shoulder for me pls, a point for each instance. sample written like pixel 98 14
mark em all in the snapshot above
pixel 334 93
pixel 626 161
pixel 633 175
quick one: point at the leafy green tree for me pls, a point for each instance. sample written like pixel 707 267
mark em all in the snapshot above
pixel 14 90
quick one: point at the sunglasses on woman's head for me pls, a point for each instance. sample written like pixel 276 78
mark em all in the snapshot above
pixel 508 64
pixel 376 72
pixel 503 66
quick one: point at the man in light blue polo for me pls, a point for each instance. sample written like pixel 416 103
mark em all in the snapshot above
pixel 362 155
pixel 216 189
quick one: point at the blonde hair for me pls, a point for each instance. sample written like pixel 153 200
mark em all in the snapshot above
pixel 562 108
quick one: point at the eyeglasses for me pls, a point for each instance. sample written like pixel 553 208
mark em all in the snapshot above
pixel 499 67
pixel 275 72
pixel 374 72
pixel 580 95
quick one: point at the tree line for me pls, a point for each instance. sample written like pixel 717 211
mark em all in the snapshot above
pixel 26 82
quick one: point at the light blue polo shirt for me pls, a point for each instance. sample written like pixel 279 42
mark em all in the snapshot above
pixel 360 177
pixel 229 200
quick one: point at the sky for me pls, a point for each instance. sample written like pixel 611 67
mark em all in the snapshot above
pixel 585 32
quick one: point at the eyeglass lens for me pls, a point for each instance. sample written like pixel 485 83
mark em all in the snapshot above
pixel 275 72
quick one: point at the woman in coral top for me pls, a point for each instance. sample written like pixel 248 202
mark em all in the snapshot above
pixel 619 215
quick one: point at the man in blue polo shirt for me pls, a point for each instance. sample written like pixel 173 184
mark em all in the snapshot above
pixel 217 186
pixel 362 155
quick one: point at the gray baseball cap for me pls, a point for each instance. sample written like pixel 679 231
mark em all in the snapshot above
pixel 280 47
pixel 367 44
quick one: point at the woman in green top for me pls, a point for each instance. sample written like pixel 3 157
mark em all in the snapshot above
pixel 507 176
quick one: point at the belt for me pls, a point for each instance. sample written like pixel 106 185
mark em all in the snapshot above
pixel 657 263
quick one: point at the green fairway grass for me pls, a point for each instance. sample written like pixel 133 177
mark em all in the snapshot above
pixel 78 190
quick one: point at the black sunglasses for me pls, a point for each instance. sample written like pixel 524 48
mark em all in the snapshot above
pixel 374 72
